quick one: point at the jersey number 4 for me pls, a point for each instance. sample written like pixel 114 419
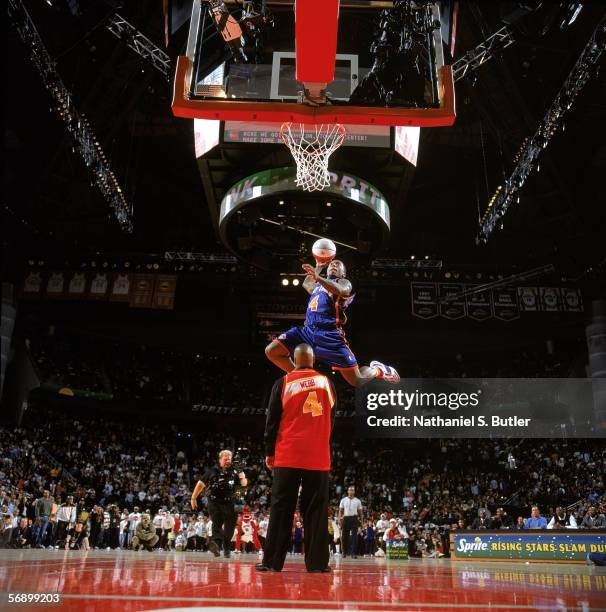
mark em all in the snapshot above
pixel 312 404
pixel 313 305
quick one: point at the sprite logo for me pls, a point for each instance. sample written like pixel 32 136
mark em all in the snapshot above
pixel 465 546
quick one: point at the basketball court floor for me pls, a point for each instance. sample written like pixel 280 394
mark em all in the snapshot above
pixel 128 581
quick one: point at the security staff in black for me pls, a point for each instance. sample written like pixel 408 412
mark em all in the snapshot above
pixel 220 483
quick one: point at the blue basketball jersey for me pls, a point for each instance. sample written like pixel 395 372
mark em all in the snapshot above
pixel 326 310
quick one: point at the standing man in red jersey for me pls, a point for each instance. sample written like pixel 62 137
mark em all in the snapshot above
pixel 300 418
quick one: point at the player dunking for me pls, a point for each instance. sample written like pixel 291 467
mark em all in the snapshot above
pixel 323 329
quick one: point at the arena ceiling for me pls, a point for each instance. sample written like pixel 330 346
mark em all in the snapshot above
pixel 561 218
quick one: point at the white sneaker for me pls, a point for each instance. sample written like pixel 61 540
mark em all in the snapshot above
pixel 388 373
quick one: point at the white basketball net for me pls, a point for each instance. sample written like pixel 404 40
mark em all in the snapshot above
pixel 312 146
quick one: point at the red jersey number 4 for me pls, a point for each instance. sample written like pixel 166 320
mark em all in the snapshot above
pixel 312 404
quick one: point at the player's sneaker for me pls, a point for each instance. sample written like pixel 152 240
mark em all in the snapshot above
pixel 386 372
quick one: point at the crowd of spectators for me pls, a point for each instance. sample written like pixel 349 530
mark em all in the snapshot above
pixel 111 470
pixel 238 384
pixel 131 372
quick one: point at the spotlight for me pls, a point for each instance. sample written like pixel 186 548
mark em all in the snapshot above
pixel 295 282
pixel 329 204
pixel 412 257
pixel 281 202
pixel 426 256
pixel 447 275
pixel 285 282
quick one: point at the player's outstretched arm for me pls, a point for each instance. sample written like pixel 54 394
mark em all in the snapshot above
pixel 340 287
pixel 309 284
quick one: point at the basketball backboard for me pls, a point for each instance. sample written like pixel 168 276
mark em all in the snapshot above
pixel 353 62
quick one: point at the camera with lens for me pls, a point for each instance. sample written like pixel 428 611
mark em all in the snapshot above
pixel 239 459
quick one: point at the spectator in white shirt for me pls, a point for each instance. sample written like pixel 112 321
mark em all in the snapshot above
pixel 66 519
pixel 381 526
pixel 262 530
pixel 123 537
pixel 157 523
pixel 201 533
pixel 168 522
pixel 133 520
pixel 562 520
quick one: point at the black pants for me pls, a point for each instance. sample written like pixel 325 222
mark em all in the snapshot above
pixel 223 516
pixel 349 537
pixel 114 537
pixel 61 534
pixel 314 512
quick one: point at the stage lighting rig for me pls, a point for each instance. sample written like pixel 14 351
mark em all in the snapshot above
pixel 139 43
pixel 526 159
pixel 85 140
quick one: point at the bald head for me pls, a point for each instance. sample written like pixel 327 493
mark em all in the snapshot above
pixel 304 356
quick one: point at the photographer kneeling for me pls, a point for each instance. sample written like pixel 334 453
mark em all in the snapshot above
pixel 220 483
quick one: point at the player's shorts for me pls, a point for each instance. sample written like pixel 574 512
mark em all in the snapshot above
pixel 329 345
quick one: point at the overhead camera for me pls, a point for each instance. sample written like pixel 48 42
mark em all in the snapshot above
pixel 401 66
pixel 255 18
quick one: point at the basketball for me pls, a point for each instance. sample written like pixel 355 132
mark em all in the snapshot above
pixel 324 250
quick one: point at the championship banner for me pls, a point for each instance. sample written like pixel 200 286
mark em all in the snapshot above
pixel 32 285
pixel 505 304
pixel 76 286
pixel 529 301
pixel 164 294
pixel 55 285
pixel 451 309
pixel 549 299
pixel 396 549
pixel 424 298
pixel 571 545
pixel 479 305
pixel 142 291
pixel 120 288
pixel 99 287
pixel 572 300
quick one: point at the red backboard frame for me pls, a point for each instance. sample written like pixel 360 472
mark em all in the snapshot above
pixel 224 109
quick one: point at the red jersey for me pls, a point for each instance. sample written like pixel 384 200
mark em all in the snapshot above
pixel 305 410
